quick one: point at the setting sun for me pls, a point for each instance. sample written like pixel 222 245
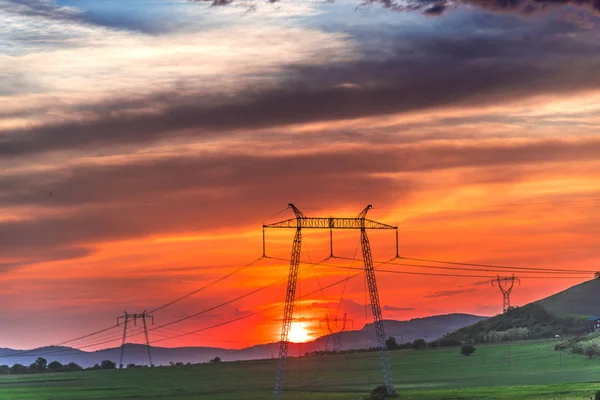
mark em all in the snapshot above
pixel 298 334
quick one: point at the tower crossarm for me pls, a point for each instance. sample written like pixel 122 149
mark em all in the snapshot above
pixel 329 223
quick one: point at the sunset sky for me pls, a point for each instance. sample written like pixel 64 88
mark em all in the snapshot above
pixel 143 143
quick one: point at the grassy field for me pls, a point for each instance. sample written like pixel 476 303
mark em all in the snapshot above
pixel 524 370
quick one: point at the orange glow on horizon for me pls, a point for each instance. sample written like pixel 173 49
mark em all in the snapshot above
pixel 298 333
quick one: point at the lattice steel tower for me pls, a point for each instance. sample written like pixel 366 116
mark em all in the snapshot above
pixel 128 317
pixel 334 330
pixel 361 223
pixel 506 286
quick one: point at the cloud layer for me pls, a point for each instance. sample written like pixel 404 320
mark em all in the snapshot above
pixel 129 156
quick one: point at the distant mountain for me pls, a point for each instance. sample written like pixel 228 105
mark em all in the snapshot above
pixel 403 331
pixel 432 327
pixel 582 299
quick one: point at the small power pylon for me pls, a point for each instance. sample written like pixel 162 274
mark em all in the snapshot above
pixel 332 327
pixel 506 285
pixel 360 223
pixel 127 317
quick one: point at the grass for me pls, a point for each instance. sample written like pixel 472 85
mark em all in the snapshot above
pixel 524 370
pixel 574 300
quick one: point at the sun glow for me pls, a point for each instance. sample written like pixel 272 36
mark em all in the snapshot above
pixel 298 334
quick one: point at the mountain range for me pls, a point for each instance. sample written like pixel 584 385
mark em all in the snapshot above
pixel 429 327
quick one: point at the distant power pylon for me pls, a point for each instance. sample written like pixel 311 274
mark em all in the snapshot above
pixel 506 285
pixel 128 317
pixel 361 223
pixel 332 327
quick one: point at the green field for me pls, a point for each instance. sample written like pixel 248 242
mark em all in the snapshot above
pixel 521 370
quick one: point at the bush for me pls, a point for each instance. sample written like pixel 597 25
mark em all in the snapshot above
pixel 562 345
pixel 391 343
pixel 591 348
pixel 380 393
pixel 467 350
pixel 597 396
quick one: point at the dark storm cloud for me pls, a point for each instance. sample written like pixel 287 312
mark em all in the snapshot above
pixel 448 293
pixel 207 192
pixel 225 175
pixel 477 70
pixel 519 7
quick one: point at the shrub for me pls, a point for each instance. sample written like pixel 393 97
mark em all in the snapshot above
pixel 562 345
pixel 380 393
pixel 467 350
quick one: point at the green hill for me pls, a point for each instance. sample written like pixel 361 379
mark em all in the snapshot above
pixel 582 299
pixel 531 321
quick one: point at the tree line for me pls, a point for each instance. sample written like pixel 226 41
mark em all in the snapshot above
pixel 41 365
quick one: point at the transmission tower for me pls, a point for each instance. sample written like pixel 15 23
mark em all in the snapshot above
pixel 332 327
pixel 127 318
pixel 360 223
pixel 506 285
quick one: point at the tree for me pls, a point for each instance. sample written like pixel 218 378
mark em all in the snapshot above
pixel 72 367
pixel 55 366
pixel 419 344
pixel 107 364
pixel 467 350
pixel 18 369
pixel 40 364
pixel 216 360
pixel 4 370
pixel 131 365
pixel 391 344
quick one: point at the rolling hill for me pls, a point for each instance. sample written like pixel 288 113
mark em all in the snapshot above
pixel 582 299
pixel 563 313
pixel 531 321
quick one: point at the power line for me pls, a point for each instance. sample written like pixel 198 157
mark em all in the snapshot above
pixel 499 266
pixel 203 311
pixel 497 269
pixel 433 274
pixel 33 351
pixel 205 286
pixel 77 339
pixel 258 312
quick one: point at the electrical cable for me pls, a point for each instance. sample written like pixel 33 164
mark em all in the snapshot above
pixel 257 312
pixel 501 266
pixel 193 292
pixel 436 274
